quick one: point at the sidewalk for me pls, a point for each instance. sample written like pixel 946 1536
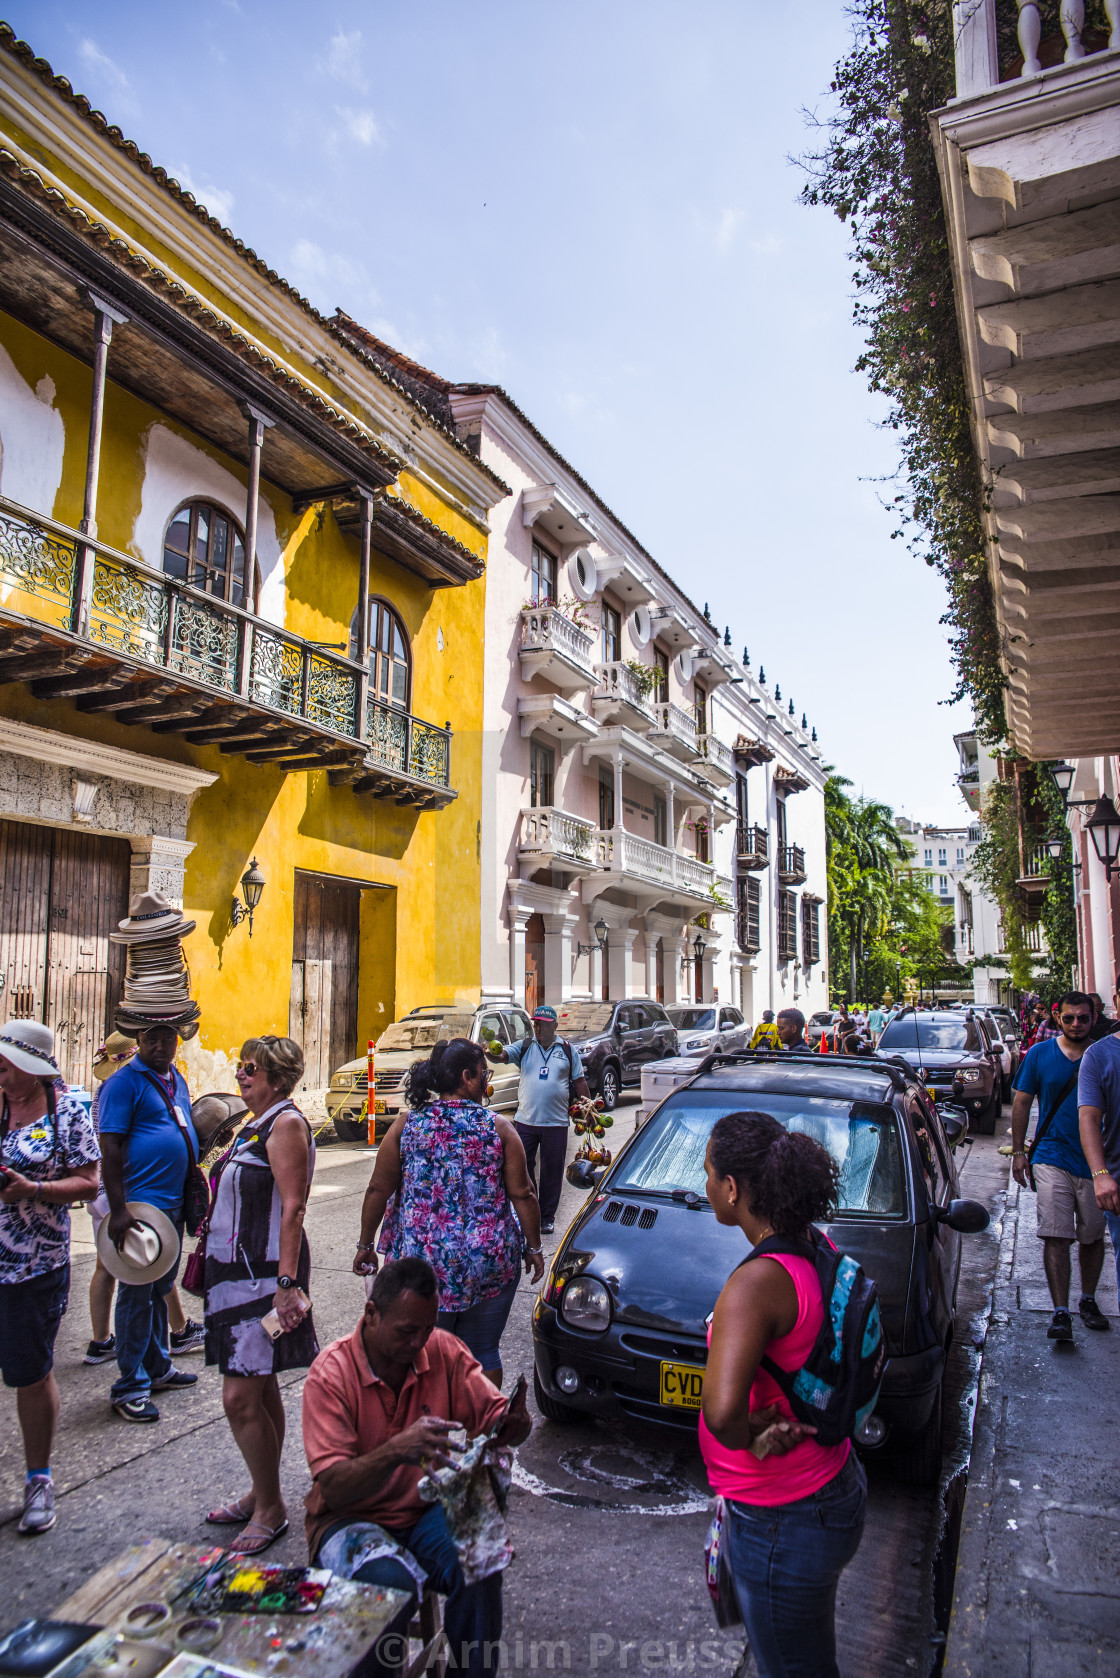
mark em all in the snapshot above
pixel 1038 1570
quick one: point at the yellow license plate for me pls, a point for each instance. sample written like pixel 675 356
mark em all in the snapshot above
pixel 378 1105
pixel 682 1385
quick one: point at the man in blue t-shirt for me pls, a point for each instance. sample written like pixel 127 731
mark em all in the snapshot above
pixel 1066 1206
pixel 551 1073
pixel 148 1144
pixel 1098 1096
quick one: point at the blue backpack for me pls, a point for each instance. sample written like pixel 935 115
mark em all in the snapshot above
pixel 837 1386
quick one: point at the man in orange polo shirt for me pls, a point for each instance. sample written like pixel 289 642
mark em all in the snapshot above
pixel 378 1410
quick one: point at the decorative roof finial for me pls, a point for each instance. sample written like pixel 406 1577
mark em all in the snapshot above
pixel 707 613
pixel 746 659
pixel 727 637
pixel 762 675
pixel 814 735
pixel 791 707
pixel 778 692
pixel 804 724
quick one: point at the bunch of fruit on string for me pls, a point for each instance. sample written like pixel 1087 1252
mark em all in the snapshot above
pixel 591 1120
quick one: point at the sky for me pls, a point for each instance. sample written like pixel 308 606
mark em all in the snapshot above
pixel 593 204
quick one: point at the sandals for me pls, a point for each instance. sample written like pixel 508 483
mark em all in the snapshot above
pixel 257 1538
pixel 230 1514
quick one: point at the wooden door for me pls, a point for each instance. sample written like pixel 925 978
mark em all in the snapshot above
pixel 323 1013
pixel 534 962
pixel 62 892
pixel 659 962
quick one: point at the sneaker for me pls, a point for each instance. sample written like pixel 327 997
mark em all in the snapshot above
pixel 1061 1326
pixel 1091 1314
pixel 38 1506
pixel 191 1338
pixel 101 1351
pixel 548 1225
pixel 173 1380
pixel 136 1410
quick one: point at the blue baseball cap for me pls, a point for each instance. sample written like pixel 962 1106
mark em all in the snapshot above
pixel 544 1012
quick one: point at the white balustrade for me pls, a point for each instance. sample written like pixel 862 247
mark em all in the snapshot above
pixel 546 629
pixel 671 721
pixel 974 23
pixel 556 833
pixel 718 754
pixel 617 681
pixel 628 853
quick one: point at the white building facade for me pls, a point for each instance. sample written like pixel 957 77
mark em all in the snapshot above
pixel 654 820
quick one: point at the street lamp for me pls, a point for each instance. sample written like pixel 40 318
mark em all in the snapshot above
pixel 1054 846
pixel 1104 830
pixel 1062 776
pixel 600 929
pixel 252 885
pixel 698 947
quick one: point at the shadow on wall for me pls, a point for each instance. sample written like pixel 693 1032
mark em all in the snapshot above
pixel 229 828
pixel 358 821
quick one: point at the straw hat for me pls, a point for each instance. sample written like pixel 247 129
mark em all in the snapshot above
pixel 29 1046
pixel 184 1020
pixel 150 917
pixel 112 1055
pixel 146 1253
pixel 212 1113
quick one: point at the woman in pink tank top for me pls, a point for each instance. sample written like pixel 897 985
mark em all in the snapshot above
pixel 794 1509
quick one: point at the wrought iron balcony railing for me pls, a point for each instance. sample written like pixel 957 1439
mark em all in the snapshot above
pixel 153 650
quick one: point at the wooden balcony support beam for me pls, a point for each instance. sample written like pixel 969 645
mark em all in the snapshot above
pixel 86 678
pixel 118 698
pixel 296 765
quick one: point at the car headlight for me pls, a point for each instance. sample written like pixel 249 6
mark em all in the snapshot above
pixel 586 1304
pixel 969 1074
pixel 695 1043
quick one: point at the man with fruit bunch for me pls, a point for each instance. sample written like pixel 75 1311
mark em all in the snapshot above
pixel 551 1074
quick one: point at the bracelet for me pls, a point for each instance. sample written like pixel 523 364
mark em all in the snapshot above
pixel 38 1192
pixel 534 1252
pixel 365 1246
pixel 1103 1172
pixel 1017 1152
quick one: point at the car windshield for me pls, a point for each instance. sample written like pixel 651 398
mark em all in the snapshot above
pixel 425 1032
pixel 583 1019
pixel 693 1019
pixel 910 1033
pixel 862 1137
pixel 821 1019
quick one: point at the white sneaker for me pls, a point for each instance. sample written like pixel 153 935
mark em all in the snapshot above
pixel 38 1506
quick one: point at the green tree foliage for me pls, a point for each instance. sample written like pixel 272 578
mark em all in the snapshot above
pixel 1028 803
pixel 883 923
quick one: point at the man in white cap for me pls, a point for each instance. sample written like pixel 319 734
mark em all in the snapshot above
pixel 148 1145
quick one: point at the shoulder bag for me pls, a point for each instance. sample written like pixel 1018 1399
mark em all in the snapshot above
pixel 1044 1124
pixel 196 1192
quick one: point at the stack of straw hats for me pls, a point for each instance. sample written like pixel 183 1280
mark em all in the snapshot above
pixel 157 984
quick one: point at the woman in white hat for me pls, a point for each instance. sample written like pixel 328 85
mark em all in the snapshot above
pixel 48 1158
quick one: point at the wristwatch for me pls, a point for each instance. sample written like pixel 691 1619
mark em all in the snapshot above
pixel 286 1282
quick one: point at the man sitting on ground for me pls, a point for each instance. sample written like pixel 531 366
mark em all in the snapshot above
pixel 378 1409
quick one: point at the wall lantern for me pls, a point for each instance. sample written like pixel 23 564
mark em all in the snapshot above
pixel 1062 776
pixel 601 931
pixel 1104 830
pixel 1054 846
pixel 252 885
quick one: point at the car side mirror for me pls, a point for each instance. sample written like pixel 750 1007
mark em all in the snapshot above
pixel 968 1217
pixel 581 1174
pixel 728 1025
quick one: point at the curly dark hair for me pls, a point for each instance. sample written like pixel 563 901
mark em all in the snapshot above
pixel 442 1072
pixel 788 1178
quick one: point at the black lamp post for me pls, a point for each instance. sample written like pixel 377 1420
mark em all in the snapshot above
pixel 1054 846
pixel 1104 830
pixel 601 930
pixel 1062 776
pixel 252 885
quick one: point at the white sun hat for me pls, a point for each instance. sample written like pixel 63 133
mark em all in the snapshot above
pixel 146 1253
pixel 29 1045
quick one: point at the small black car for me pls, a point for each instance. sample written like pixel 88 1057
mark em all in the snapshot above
pixel 616 1039
pixel 954 1055
pixel 619 1327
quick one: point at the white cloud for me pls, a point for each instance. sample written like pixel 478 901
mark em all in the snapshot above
pixel 729 223
pixel 217 199
pixel 101 65
pixel 768 245
pixel 344 60
pixel 361 126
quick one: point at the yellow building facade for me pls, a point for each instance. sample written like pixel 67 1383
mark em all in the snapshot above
pixel 242 576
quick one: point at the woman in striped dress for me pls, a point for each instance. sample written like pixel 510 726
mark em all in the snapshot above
pixel 257 1261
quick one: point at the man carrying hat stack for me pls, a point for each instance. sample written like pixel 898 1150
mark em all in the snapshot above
pixel 551 1074
pixel 148 1146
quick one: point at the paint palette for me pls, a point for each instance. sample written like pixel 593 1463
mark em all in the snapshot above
pixel 245 1587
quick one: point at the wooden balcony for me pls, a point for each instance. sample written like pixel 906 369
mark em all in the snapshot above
pixel 791 865
pixel 82 622
pixel 752 847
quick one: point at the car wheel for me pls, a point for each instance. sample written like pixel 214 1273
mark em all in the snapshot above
pixel 917 1457
pixel 608 1087
pixel 551 1408
pixel 1005 1089
pixel 350 1130
pixel 986 1120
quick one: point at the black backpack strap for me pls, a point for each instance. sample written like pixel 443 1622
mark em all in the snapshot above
pixel 1044 1124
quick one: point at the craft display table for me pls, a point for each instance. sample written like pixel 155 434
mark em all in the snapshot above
pixel 327 1644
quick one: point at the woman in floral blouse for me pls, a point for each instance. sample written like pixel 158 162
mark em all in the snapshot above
pixel 453 1187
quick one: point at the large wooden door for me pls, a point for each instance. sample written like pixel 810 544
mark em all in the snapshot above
pixel 323 1016
pixel 534 962
pixel 62 892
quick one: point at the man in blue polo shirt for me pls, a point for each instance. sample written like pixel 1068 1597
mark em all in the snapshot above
pixel 551 1074
pixel 1066 1206
pixel 148 1145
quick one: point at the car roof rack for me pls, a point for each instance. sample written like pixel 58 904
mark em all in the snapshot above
pixel 896 1067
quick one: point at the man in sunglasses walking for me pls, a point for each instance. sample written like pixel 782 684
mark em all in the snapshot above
pixel 1055 1165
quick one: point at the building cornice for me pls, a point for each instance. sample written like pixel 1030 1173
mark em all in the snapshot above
pixel 49 746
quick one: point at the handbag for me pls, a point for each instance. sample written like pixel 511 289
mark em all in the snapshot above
pixel 193 1279
pixel 196 1190
pixel 717 1571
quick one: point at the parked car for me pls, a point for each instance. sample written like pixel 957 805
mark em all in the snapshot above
pixel 818 1024
pixel 703 1026
pixel 409 1040
pixel 1009 1024
pixel 619 1328
pixel 952 1054
pixel 1008 1049
pixel 616 1039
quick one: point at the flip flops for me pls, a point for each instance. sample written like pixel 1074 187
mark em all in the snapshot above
pixel 230 1514
pixel 257 1538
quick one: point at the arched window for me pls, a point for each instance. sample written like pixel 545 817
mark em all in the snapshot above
pixel 205 547
pixel 389 661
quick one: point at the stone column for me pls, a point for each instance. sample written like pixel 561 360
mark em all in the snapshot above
pixel 519 914
pixel 159 864
pixel 558 930
pixel 620 955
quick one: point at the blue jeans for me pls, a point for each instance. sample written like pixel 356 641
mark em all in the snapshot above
pixel 140 1326
pixel 481 1327
pixel 472 1614
pixel 1113 1223
pixel 787 1560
